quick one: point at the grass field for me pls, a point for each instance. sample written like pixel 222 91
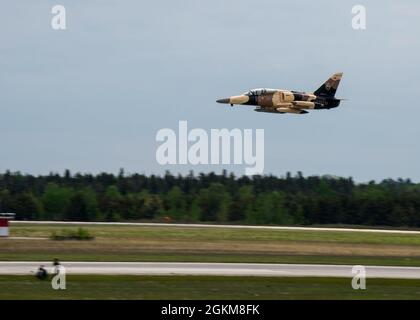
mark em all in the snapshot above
pixel 161 243
pixel 205 287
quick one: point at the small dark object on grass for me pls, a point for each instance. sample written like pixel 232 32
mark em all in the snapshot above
pixel 41 274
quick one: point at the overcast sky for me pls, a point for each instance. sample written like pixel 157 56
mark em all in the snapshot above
pixel 92 98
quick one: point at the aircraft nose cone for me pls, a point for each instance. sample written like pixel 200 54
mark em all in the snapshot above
pixel 223 100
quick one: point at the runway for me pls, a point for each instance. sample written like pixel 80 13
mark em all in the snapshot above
pixel 201 225
pixel 217 269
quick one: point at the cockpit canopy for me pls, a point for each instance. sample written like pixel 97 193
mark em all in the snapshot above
pixel 259 91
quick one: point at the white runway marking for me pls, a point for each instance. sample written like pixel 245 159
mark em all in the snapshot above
pixel 219 269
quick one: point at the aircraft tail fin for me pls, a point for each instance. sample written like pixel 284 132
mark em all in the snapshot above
pixel 330 86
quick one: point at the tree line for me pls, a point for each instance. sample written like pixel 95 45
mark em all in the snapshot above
pixel 219 198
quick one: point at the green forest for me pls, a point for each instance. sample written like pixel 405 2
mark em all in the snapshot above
pixel 292 199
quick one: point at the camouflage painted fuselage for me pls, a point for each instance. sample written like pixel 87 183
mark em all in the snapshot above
pixel 285 101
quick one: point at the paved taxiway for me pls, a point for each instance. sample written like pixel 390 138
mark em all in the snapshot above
pixel 219 269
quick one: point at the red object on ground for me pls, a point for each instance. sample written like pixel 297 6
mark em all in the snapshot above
pixel 4 222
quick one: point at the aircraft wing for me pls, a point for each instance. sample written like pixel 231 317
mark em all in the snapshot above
pixel 291 107
pixel 291 110
pixel 281 110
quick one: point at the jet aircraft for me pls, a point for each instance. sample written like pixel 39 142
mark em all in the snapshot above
pixel 285 101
